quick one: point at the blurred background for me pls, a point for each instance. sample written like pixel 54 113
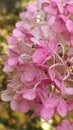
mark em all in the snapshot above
pixel 9 120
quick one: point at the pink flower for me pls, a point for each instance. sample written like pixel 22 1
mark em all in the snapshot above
pixel 41 61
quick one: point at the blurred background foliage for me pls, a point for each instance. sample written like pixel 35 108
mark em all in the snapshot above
pixel 9 120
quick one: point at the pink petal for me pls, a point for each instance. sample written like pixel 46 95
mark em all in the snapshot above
pixel 56 1
pixel 51 74
pixel 39 55
pixel 46 114
pixel 71 41
pixel 14 105
pixel 7 68
pixel 32 7
pixel 29 94
pixel 53 47
pixel 40 2
pixel 51 102
pixel 12 61
pixel 60 5
pixel 51 20
pixel 17 33
pixel 12 40
pixel 24 106
pixel 61 8
pixel 59 27
pixel 72 125
pixel 69 25
pixel 50 10
pixel 60 85
pixel 28 77
pixel 62 108
pixel 63 17
pixel 70 104
pixel 66 124
pixel 20 24
pixel 22 15
pixel 70 8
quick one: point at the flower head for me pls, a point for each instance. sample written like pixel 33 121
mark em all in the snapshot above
pixel 41 60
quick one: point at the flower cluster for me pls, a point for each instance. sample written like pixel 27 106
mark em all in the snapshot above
pixel 40 60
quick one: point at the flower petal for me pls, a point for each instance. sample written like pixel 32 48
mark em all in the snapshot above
pixel 46 114
pixel 29 94
pixel 6 96
pixel 69 25
pixel 24 106
pixel 12 61
pixel 70 8
pixel 51 102
pixel 14 105
pixel 62 108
